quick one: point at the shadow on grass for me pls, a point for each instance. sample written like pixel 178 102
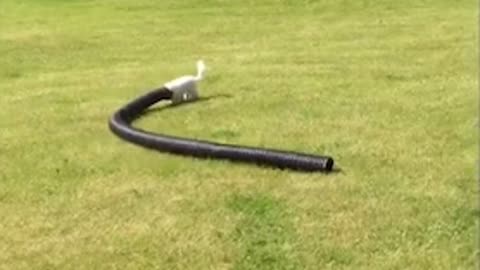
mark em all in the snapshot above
pixel 337 170
pixel 185 104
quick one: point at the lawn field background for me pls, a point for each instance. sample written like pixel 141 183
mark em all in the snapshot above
pixel 388 88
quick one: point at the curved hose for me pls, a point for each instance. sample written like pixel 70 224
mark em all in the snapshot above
pixel 120 124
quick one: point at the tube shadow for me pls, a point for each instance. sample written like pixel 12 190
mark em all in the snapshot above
pixel 337 170
pixel 176 106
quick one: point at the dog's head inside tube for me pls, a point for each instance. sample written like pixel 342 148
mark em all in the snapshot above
pixel 184 89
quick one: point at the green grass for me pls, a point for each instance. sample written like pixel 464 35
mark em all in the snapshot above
pixel 264 234
pixel 389 88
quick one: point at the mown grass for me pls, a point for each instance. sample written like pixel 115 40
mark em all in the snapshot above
pixel 264 233
pixel 389 88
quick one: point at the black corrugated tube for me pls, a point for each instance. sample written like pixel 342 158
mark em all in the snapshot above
pixel 120 124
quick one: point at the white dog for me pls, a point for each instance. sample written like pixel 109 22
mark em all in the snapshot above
pixel 184 88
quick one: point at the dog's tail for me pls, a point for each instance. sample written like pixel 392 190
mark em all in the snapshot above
pixel 200 70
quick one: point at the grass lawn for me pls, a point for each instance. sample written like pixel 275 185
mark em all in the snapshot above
pixel 388 88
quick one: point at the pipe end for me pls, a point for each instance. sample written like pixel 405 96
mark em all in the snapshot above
pixel 329 164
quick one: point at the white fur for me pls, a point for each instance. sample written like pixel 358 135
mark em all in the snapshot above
pixel 200 70
pixel 185 88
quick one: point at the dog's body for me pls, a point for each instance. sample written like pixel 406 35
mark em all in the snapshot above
pixel 184 88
